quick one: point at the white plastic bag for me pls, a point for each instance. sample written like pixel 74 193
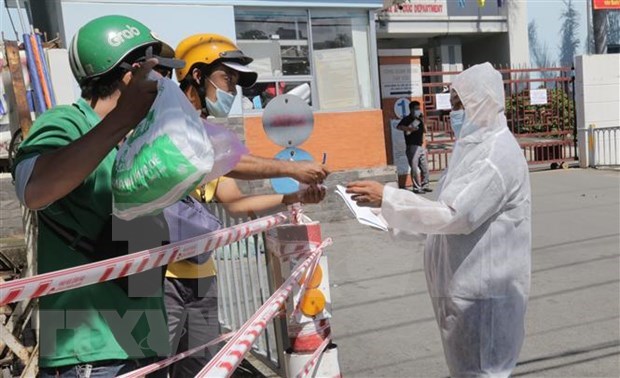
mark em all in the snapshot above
pixel 168 154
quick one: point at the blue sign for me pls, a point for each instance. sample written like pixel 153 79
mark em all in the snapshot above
pixel 401 107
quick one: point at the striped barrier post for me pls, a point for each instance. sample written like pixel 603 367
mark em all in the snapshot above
pixel 309 309
pixel 226 361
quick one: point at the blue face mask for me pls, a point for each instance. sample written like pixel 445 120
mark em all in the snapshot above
pixel 457 117
pixel 223 103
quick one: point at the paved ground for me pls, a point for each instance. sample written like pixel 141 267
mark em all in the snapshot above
pixel 383 321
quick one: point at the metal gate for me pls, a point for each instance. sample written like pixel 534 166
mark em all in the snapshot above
pixel 244 286
pixel 545 132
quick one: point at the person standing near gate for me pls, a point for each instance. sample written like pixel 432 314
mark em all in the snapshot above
pixel 477 257
pixel 415 139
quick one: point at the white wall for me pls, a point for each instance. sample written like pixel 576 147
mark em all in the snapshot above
pixel 597 87
pixel 516 14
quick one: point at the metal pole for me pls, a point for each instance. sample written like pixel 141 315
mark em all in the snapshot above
pixel 8 11
pixel 21 19
pixel 589 26
pixel 572 80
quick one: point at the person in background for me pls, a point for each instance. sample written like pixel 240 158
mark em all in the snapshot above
pixel 63 170
pixel 415 139
pixel 477 257
pixel 191 288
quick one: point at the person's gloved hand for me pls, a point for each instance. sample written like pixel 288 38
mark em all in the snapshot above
pixel 309 172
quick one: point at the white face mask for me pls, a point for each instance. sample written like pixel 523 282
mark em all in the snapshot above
pixel 223 103
pixel 417 113
pixel 457 117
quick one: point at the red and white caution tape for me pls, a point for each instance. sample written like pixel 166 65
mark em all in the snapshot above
pixel 88 274
pixel 229 357
pixel 296 213
pixel 169 361
pixel 314 359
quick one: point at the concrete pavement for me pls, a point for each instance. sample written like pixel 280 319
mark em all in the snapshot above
pixel 383 321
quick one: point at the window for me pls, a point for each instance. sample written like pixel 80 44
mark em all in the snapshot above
pixel 278 42
pixel 340 40
pixel 333 73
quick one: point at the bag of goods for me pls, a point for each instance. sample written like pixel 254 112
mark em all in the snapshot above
pixel 165 157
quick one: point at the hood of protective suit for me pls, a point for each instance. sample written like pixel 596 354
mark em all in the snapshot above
pixel 481 90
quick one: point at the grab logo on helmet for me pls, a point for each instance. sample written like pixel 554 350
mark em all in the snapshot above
pixel 117 38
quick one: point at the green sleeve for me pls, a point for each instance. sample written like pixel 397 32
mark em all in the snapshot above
pixel 54 129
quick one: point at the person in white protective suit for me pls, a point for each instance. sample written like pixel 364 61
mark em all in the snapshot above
pixel 478 246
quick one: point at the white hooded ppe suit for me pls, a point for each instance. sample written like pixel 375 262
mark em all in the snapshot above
pixel 478 246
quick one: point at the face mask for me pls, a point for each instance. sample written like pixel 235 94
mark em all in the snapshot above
pixel 222 105
pixel 456 121
pixel 417 113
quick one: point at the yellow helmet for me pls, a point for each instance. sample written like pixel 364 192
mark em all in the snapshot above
pixel 212 48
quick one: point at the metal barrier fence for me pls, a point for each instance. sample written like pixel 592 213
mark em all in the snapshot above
pixel 605 144
pixel 545 130
pixel 244 285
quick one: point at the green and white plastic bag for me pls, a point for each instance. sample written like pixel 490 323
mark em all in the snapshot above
pixel 168 154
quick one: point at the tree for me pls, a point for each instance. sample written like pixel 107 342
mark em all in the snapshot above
pixel 539 52
pixel 569 40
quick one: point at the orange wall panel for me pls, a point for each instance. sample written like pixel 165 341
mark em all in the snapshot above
pixel 350 139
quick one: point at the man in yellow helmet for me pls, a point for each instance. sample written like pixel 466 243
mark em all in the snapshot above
pixel 215 67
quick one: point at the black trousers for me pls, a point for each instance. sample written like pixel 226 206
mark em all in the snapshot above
pixel 191 305
pixel 416 156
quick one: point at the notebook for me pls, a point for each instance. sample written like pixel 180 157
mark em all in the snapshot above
pixel 363 214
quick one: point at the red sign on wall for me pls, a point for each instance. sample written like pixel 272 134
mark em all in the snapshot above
pixel 606 4
pixel 422 8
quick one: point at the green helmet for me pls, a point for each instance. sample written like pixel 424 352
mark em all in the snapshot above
pixel 104 42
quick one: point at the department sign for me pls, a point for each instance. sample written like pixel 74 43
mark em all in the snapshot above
pixel 422 8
